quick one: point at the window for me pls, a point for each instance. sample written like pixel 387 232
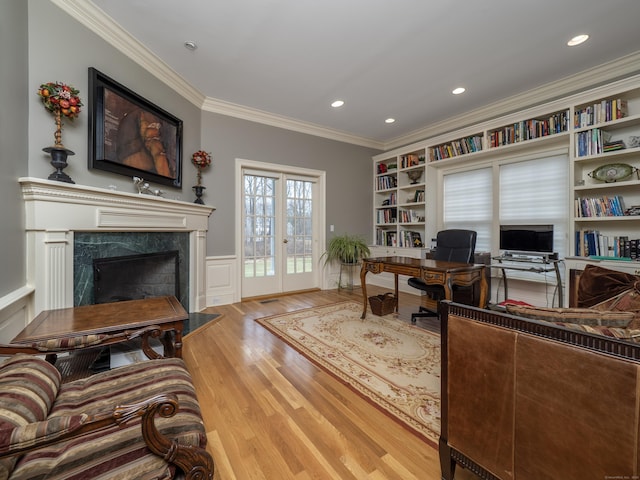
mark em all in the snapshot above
pixel 535 192
pixel 532 191
pixel 468 204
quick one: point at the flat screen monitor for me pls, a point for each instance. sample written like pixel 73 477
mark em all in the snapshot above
pixel 526 238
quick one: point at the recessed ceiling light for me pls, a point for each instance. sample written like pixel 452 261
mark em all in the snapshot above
pixel 190 45
pixel 337 103
pixel 458 91
pixel 577 40
pixel 390 120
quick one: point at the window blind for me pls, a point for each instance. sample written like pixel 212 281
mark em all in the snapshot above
pixel 535 192
pixel 468 204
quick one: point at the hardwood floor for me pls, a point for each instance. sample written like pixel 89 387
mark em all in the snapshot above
pixel 272 414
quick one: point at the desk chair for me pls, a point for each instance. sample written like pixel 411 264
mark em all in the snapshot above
pixel 452 245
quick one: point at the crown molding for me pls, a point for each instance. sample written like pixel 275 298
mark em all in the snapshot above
pixel 605 73
pixel 260 116
pixel 94 18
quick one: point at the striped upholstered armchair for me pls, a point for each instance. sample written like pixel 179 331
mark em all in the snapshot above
pixel 138 421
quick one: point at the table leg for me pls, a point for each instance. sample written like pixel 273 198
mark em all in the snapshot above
pixel 484 289
pixel 363 284
pixel 395 283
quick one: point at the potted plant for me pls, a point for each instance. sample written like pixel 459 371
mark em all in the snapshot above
pixel 346 249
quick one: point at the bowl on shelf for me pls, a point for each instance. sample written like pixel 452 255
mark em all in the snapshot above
pixel 414 175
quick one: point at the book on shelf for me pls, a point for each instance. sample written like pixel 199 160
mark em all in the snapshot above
pixel 599 207
pixel 591 243
pixel 387 215
pixel 386 182
pixel 410 239
pixel 411 160
pixel 455 148
pixel 600 112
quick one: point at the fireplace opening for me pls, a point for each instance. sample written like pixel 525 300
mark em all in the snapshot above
pixel 134 277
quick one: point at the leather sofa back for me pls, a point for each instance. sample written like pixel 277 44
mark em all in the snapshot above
pixel 525 400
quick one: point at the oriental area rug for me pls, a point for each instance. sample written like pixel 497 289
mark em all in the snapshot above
pixel 393 364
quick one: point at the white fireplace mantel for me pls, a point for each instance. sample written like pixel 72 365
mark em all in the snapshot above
pixel 55 210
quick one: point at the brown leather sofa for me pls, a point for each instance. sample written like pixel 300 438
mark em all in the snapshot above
pixel 529 400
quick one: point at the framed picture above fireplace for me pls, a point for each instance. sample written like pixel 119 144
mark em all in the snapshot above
pixel 131 136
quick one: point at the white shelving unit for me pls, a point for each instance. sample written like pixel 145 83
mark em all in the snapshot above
pixel 602 201
pixel 400 200
pixel 562 124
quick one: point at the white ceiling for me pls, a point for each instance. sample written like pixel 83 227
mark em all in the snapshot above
pixel 384 58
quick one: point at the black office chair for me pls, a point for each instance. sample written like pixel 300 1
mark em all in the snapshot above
pixel 452 245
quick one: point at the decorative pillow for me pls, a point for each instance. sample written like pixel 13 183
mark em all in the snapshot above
pixel 627 301
pixel 28 387
pixel 581 316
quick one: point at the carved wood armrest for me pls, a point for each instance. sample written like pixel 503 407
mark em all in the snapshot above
pixel 195 462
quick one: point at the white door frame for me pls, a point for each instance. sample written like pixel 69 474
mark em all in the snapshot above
pixel 320 175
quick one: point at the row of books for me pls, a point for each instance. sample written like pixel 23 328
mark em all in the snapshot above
pixel 599 207
pixel 387 215
pixel 386 239
pixel 603 111
pixel 410 160
pixel 385 182
pixel 455 148
pixel 410 239
pixel 409 216
pixel 407 238
pixel 592 142
pixel 418 196
pixel 591 243
pixel 530 129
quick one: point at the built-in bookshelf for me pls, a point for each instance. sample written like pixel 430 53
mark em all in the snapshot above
pixel 605 155
pixel 455 148
pixel 529 129
pixel 599 128
pixel 399 200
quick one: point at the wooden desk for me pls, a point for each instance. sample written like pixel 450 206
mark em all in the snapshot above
pixel 433 272
pixel 166 313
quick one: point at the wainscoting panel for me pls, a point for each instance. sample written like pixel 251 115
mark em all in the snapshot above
pixel 15 313
pixel 222 280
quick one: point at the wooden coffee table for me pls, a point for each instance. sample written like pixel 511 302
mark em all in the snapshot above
pixel 161 317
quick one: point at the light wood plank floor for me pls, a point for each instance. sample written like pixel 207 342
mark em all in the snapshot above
pixel 272 414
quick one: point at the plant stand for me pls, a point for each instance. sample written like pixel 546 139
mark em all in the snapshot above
pixel 349 268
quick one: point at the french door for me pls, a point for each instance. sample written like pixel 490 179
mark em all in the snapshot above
pixel 280 242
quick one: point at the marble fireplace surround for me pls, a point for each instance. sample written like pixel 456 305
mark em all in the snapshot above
pixel 55 210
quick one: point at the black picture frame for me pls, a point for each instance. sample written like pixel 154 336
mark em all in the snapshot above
pixel 131 136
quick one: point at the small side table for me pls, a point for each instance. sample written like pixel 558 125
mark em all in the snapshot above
pixel 166 313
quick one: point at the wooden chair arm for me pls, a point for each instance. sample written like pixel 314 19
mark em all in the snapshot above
pixel 195 462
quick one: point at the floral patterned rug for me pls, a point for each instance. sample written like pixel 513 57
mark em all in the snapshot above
pixel 392 363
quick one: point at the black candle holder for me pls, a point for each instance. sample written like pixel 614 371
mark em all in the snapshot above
pixel 59 156
pixel 199 189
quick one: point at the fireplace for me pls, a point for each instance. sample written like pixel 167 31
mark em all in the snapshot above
pixel 137 252
pixel 62 219
pixel 134 277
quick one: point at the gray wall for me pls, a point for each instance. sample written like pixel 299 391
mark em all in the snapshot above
pixel 40 43
pixel 61 49
pixel 349 178
pixel 14 122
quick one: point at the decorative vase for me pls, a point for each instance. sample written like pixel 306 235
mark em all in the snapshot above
pixel 59 156
pixel 199 190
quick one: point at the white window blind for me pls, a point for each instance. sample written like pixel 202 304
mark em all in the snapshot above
pixel 535 192
pixel 468 204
